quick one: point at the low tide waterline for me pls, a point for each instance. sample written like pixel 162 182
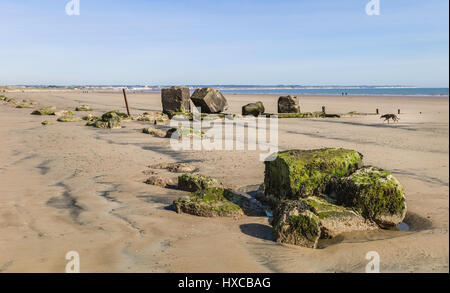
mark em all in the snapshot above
pixel 283 90
pixel 444 92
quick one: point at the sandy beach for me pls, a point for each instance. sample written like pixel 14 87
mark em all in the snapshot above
pixel 67 187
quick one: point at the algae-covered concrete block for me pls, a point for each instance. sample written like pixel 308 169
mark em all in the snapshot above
pixel 376 194
pixel 335 220
pixel 293 223
pixel 209 100
pixel 288 104
pixel 303 222
pixel 298 174
pixel 194 182
pixel 110 119
pixel 113 114
pixel 176 99
pixel 50 110
pixel 211 202
pixel 254 109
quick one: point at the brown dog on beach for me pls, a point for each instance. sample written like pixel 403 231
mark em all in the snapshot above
pixel 387 117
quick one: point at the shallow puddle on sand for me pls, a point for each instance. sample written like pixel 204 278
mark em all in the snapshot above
pixel 363 236
pixel 403 227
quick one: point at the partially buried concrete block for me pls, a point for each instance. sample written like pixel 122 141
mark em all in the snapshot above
pixel 209 100
pixel 288 104
pixel 293 223
pixel 175 99
pixel 254 109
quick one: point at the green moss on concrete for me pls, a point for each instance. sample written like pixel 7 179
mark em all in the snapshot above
pixel 374 193
pixel 254 109
pixel 113 114
pixel 209 202
pixel 50 110
pixel 305 225
pixel 293 223
pixel 301 173
pixel 335 219
pixel 110 120
pixel 195 182
pixel 324 208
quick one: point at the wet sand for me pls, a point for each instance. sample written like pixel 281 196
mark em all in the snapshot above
pixel 69 187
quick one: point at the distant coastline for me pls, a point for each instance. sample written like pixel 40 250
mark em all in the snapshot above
pixel 333 90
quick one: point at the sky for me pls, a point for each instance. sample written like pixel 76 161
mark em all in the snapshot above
pixel 263 42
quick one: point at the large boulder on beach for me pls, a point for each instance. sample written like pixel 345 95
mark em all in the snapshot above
pixel 254 109
pixel 211 202
pixel 376 194
pixel 195 182
pixel 209 100
pixel 176 99
pixel 293 223
pixel 298 174
pixel 288 104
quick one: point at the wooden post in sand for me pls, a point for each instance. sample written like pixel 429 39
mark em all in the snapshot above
pixel 323 109
pixel 399 111
pixel 126 101
pixel 378 112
